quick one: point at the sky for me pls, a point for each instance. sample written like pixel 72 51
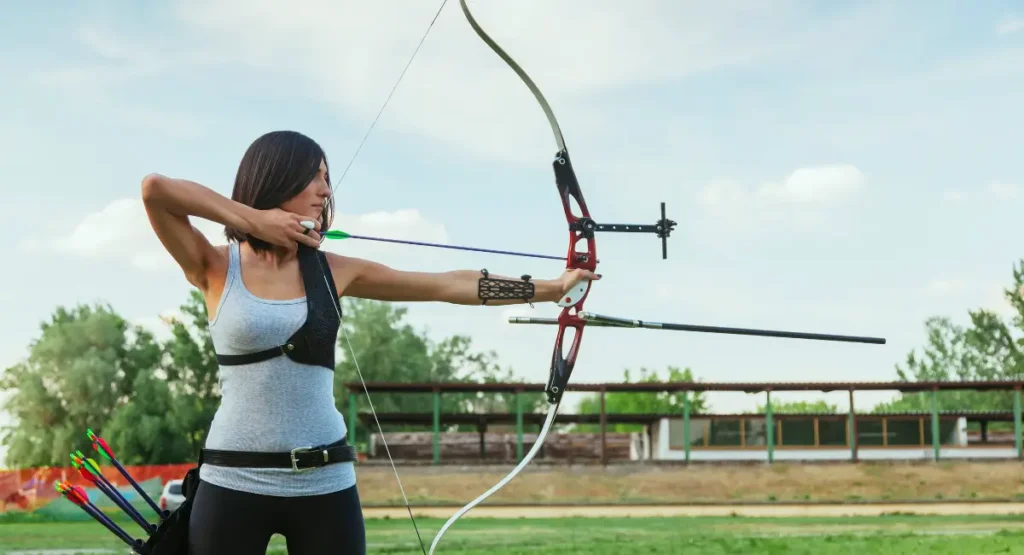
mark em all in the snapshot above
pixel 835 167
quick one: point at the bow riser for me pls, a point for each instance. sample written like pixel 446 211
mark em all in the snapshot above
pixel 580 227
pixel 563 363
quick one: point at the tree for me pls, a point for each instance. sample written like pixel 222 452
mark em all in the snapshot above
pixel 987 349
pixel 148 430
pixel 454 354
pixel 81 370
pixel 191 371
pixel 155 402
pixel 643 402
pixel 389 350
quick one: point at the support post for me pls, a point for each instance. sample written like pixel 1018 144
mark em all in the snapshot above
pixel 853 430
pixel 481 428
pixel 519 425
pixel 1017 432
pixel 936 440
pixel 649 454
pixel 769 427
pixel 686 424
pixel 437 426
pixel 604 430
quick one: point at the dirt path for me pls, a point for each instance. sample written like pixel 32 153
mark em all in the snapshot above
pixel 672 485
pixel 765 510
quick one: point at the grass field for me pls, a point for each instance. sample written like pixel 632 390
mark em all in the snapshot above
pixel 898 534
pixel 435 490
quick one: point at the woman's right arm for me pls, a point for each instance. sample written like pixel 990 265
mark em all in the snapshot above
pixel 170 202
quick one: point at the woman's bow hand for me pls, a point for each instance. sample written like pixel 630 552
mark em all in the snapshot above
pixel 572 277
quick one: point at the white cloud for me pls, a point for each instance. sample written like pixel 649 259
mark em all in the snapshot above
pixel 457 92
pixel 953 197
pixel 723 192
pixel 170 123
pixel 1004 191
pixel 994 299
pixel 110 46
pixel 121 231
pixel 998 190
pixel 1010 25
pixel 406 224
pixel 705 293
pixel 158 325
pixel 991 297
pixel 802 200
pixel 402 224
pixel 944 287
pixel 809 185
pixel 817 184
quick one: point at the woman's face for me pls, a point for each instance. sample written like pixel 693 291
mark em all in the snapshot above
pixel 311 201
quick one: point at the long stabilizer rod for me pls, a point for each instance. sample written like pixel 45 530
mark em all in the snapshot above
pixel 613 322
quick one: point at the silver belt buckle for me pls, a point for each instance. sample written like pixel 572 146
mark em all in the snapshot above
pixel 295 460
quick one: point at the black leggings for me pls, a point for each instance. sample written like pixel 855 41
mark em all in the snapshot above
pixel 240 523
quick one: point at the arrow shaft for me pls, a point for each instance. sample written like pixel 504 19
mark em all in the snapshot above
pixel 112 492
pixel 137 487
pixel 614 322
pixel 98 515
pixel 106 521
pixel 95 475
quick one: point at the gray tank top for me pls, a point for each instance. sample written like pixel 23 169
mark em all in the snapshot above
pixel 273 405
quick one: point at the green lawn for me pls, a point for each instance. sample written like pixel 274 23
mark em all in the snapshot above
pixel 599 536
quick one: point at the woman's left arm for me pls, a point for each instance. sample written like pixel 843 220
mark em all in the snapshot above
pixel 371 280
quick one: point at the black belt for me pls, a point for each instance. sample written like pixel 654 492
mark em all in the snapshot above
pixel 298 459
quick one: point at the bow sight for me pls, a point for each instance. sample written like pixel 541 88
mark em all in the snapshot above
pixel 661 228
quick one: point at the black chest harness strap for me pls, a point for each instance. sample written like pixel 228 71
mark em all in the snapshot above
pixel 314 342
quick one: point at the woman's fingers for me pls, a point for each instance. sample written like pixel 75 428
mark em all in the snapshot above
pixel 308 232
pixel 306 237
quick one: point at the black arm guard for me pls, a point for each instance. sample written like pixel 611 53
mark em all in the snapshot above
pixel 492 288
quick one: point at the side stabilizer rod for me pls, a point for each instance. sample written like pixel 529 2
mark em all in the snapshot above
pixel 599 320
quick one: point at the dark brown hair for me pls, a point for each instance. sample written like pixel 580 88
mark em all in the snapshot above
pixel 276 167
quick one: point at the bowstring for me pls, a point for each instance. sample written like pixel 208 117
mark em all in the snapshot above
pixel 388 99
pixel 359 372
pixel 344 334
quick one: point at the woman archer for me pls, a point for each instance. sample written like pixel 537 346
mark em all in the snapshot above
pixel 269 293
